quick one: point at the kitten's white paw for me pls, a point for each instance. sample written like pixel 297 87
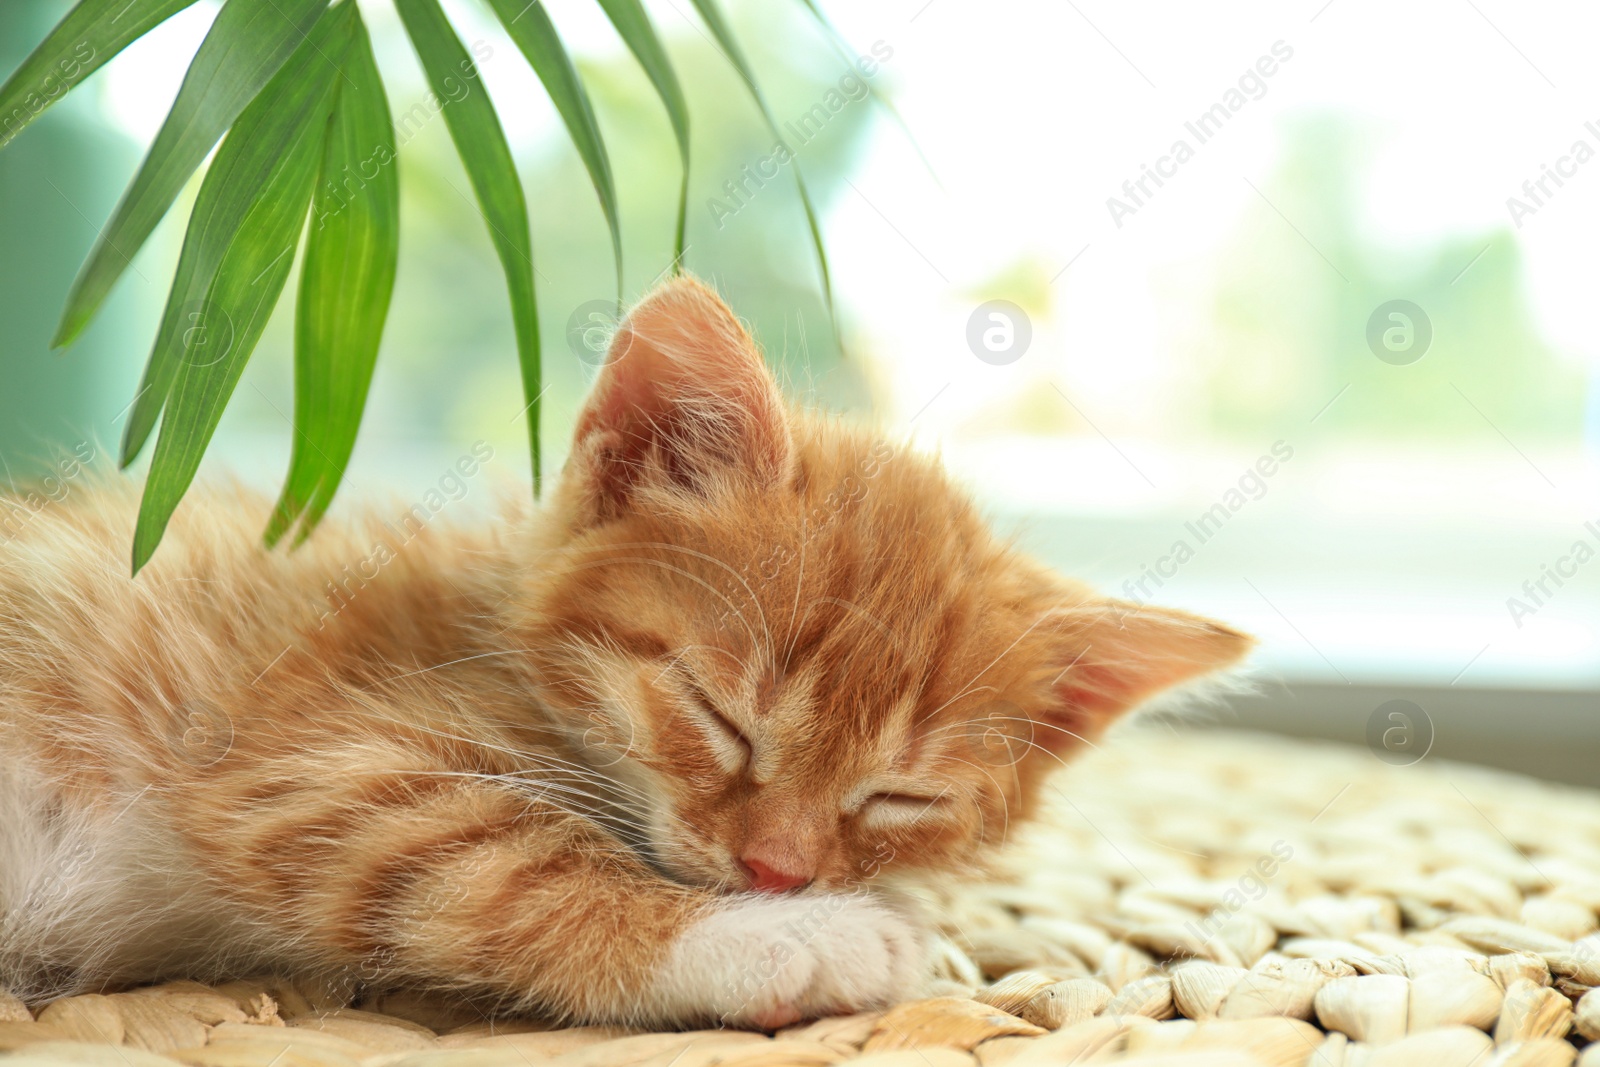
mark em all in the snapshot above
pixel 767 961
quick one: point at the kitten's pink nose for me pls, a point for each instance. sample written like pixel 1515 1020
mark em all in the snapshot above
pixel 765 878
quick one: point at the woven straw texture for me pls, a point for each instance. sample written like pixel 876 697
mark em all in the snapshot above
pixel 1199 899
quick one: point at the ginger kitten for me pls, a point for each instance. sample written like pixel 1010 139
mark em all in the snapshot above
pixel 647 754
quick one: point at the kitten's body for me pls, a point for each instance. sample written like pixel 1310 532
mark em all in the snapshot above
pixel 549 761
pixel 131 710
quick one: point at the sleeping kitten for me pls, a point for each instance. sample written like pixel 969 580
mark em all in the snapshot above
pixel 642 755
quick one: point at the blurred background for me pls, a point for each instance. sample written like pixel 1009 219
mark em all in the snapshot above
pixel 1277 311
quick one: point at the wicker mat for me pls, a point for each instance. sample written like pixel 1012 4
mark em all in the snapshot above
pixel 1198 899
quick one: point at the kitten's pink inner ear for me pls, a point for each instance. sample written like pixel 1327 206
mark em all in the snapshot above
pixel 684 397
pixel 1132 653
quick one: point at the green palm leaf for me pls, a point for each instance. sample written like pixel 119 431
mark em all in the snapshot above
pixel 530 27
pixel 717 23
pixel 91 35
pixel 247 44
pixel 634 27
pixel 238 250
pixel 346 281
pixel 290 89
pixel 193 263
pixel 481 143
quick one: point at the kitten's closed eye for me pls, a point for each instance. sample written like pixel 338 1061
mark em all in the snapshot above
pixel 733 750
pixel 897 807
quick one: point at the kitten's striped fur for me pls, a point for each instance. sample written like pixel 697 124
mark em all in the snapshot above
pixel 645 754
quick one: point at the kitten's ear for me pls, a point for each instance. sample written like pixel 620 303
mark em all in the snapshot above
pixel 1127 654
pixel 684 401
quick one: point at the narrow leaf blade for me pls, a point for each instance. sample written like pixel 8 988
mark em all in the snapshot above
pixel 247 44
pixel 481 143
pixel 842 49
pixel 346 283
pixel 90 35
pixel 184 324
pixel 530 27
pixel 639 34
pixel 237 254
pixel 722 32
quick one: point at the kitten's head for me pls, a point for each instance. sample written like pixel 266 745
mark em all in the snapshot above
pixel 797 649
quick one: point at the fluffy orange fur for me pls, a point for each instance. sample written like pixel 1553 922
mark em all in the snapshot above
pixel 650 753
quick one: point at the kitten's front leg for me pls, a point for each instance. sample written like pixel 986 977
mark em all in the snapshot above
pixel 586 929
pixel 426 876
